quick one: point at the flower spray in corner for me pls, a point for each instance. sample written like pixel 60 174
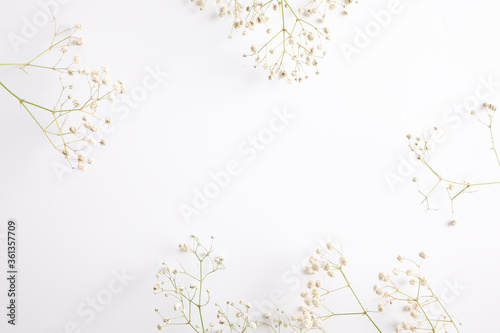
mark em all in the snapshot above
pixel 71 123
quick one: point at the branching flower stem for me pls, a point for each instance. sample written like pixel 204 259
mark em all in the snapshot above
pixel 365 312
pixel 185 289
pixel 420 148
pixel 71 139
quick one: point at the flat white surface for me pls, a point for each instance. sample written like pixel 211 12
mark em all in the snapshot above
pixel 323 177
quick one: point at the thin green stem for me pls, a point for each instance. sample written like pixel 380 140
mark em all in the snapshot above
pixel 36 66
pixel 199 297
pixel 365 312
pixel 284 28
pixel 451 319
pixel 455 182
pixel 426 317
pixel 493 139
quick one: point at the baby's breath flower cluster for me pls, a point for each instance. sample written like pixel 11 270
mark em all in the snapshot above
pixel 71 124
pixel 421 147
pixel 235 317
pixel 326 268
pixel 410 288
pixel 296 35
pixel 328 280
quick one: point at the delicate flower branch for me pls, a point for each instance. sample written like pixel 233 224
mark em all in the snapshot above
pixel 420 146
pixel 71 124
pixel 186 289
pixel 426 312
pixel 190 302
pixel 331 280
pixel 296 34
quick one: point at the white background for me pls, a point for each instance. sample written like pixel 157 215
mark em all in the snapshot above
pixel 323 177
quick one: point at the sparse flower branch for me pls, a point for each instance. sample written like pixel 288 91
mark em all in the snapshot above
pixel 70 123
pixel 426 312
pixel 190 303
pixel 185 288
pixel 421 147
pixel 296 34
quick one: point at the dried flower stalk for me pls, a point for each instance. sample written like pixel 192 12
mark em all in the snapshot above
pixel 190 303
pixel 426 312
pixel 71 125
pixel 455 188
pixel 296 34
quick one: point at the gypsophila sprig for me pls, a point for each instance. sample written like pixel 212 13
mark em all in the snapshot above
pixel 425 311
pixel 296 34
pixel 190 303
pixel 421 147
pixel 327 279
pixel 72 123
pixel 235 316
pixel 185 289
pixel 191 299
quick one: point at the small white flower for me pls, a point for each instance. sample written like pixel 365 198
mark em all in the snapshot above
pixel 382 276
pixel 378 290
pixel 423 255
pixel 423 281
pixel 343 261
pixel 119 87
pixel 84 71
pixel 96 79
